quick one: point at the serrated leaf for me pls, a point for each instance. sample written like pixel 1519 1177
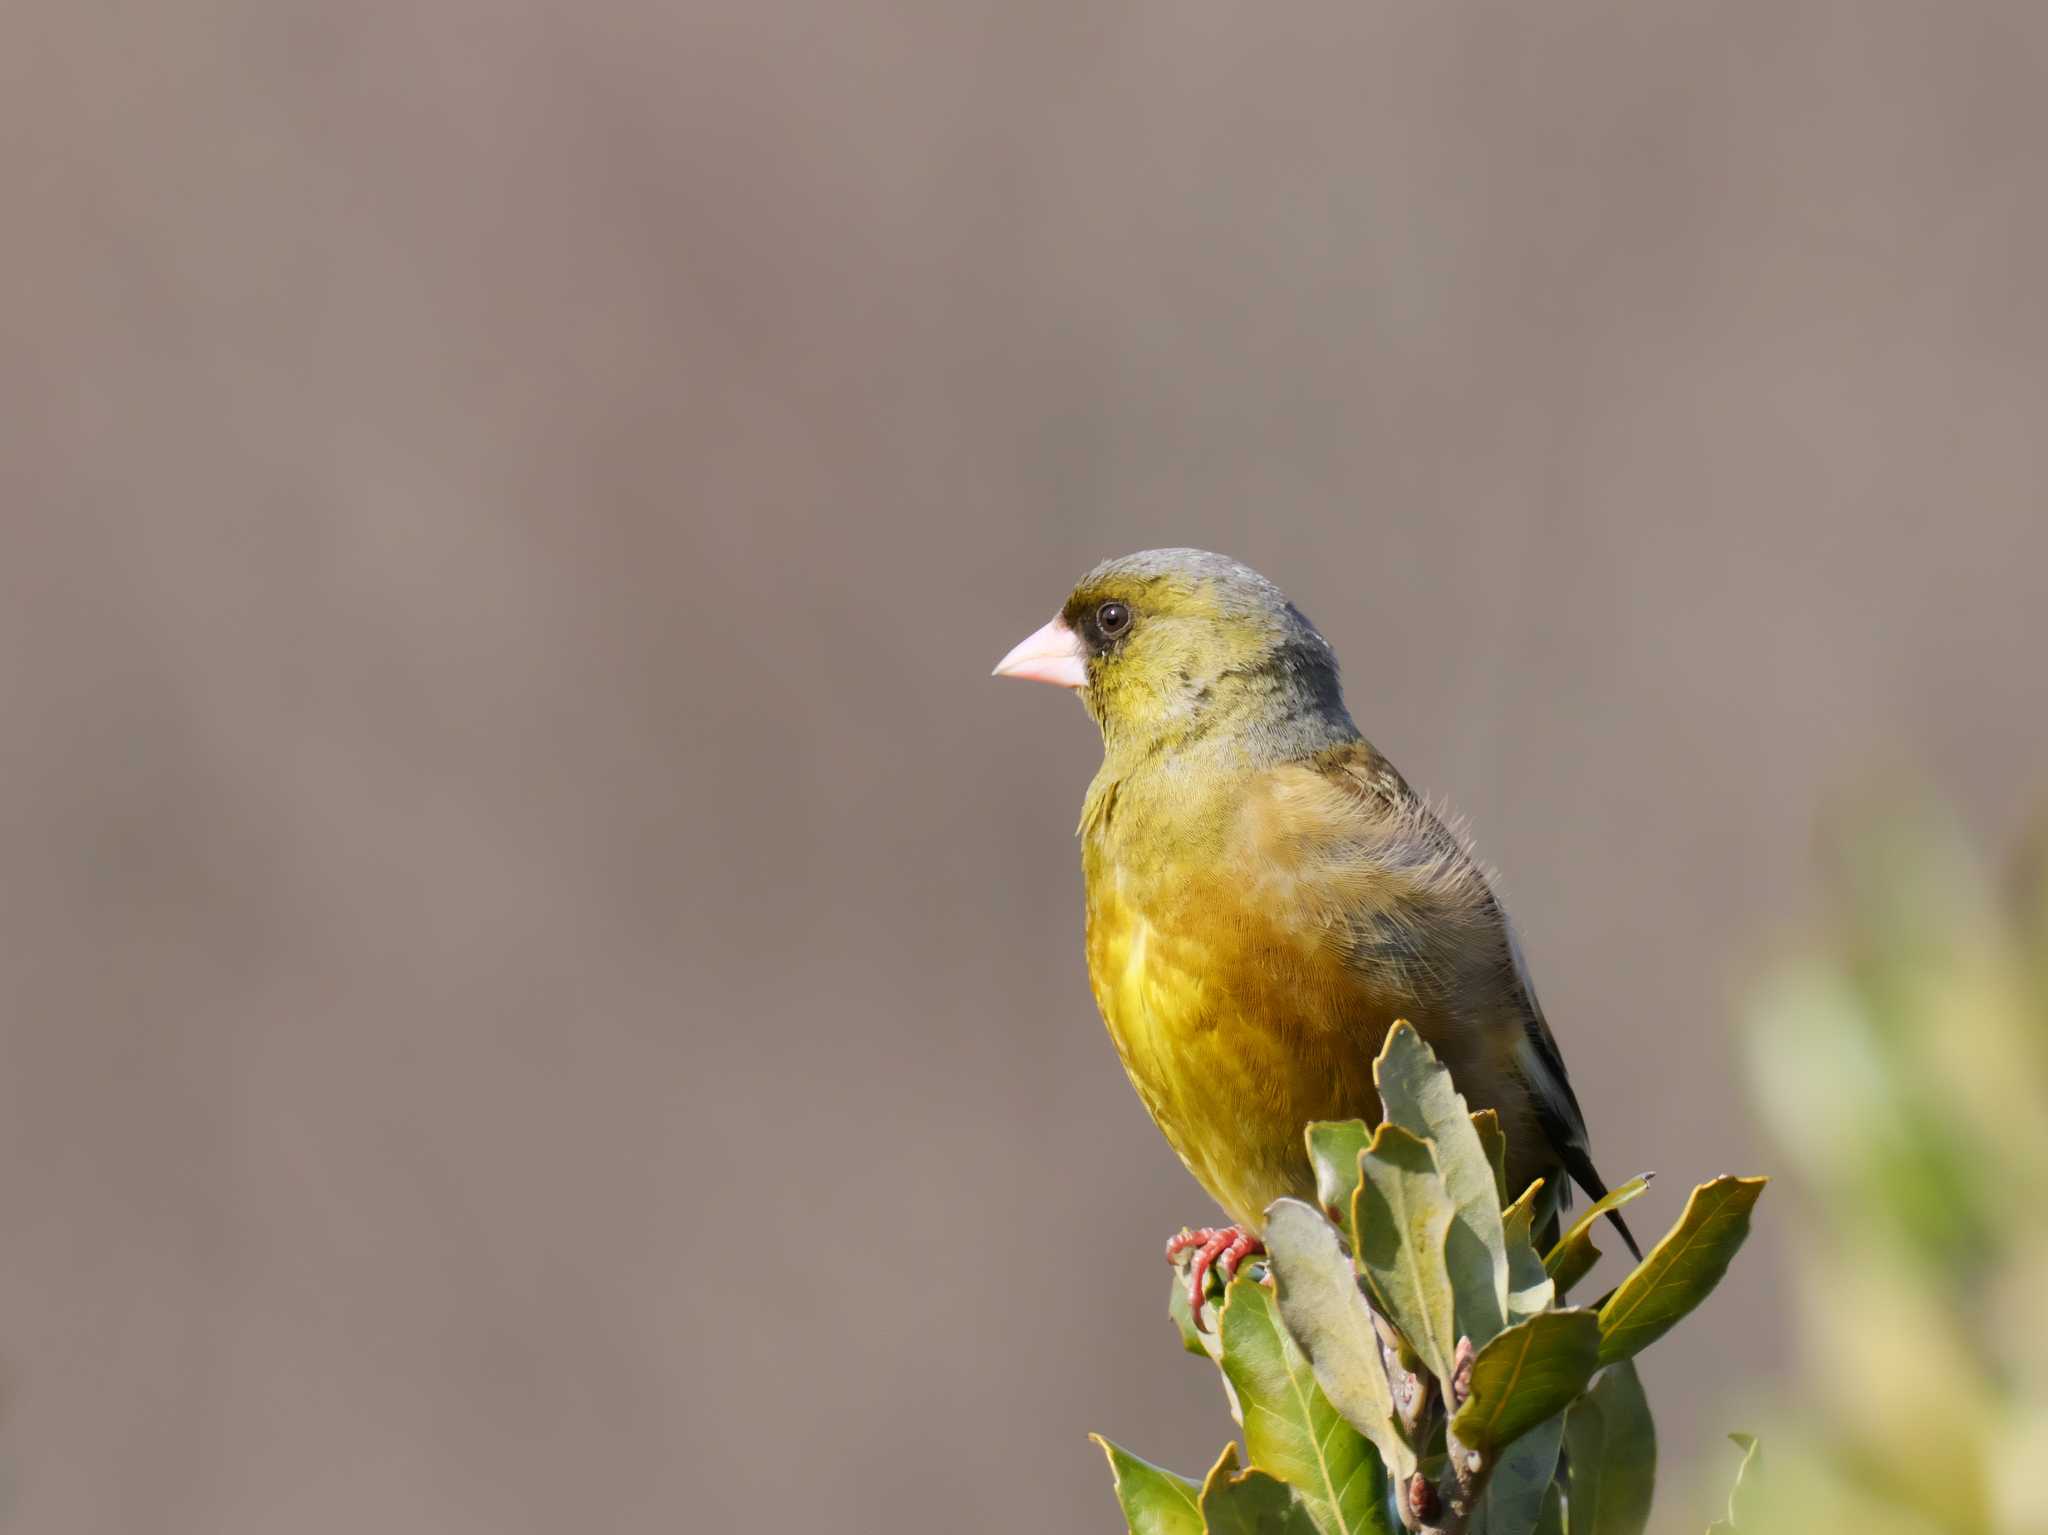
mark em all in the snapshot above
pixel 1155 1501
pixel 1512 1500
pixel 1611 1445
pixel 1399 1219
pixel 1416 1093
pixel 1682 1270
pixel 1250 1502
pixel 1316 1290
pixel 1290 1428
pixel 1333 1148
pixel 1494 1141
pixel 1530 1289
pixel 1526 1376
pixel 1573 1257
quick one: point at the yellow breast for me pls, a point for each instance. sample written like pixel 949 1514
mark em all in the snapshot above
pixel 1251 937
pixel 1235 1031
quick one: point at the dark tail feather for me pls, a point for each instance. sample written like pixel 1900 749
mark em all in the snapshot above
pixel 1627 1235
pixel 1580 1166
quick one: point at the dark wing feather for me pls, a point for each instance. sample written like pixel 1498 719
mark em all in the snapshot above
pixel 1557 1106
pixel 1413 834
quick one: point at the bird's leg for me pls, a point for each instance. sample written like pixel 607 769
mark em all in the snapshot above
pixel 1223 1246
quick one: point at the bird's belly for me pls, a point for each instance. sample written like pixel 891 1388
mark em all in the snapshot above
pixel 1234 1039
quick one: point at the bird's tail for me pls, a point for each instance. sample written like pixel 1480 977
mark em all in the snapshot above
pixel 1587 1177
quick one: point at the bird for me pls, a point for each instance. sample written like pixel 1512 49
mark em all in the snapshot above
pixel 1266 896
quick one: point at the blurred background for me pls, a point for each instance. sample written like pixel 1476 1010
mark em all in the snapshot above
pixel 543 980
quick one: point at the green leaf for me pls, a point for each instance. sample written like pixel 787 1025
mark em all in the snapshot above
pixel 1574 1265
pixel 1154 1500
pixel 1550 1518
pixel 1250 1502
pixel 1317 1292
pixel 1736 1502
pixel 1416 1094
pixel 1512 1499
pixel 1574 1255
pixel 1290 1428
pixel 1526 1376
pixel 1494 1141
pixel 1192 1338
pixel 1197 1341
pixel 1333 1148
pixel 1530 1289
pixel 1399 1219
pixel 1681 1270
pixel 1611 1445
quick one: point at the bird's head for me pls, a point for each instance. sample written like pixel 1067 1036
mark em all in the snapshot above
pixel 1171 645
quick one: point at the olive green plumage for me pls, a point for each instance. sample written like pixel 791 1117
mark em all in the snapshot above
pixel 1266 895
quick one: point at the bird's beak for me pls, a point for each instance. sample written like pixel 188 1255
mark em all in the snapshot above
pixel 1052 654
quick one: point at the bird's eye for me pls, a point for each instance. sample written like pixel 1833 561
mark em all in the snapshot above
pixel 1113 618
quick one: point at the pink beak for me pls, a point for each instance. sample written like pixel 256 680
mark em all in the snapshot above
pixel 1053 654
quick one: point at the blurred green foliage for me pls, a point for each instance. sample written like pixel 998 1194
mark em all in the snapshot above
pixel 1903 1068
pixel 1401 1359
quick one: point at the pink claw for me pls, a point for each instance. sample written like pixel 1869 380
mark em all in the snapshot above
pixel 1225 1247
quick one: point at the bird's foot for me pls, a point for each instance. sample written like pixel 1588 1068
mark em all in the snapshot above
pixel 1223 1247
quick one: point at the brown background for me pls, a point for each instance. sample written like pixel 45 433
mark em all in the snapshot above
pixel 542 986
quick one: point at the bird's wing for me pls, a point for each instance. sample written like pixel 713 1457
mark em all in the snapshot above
pixel 1557 1106
pixel 1435 869
pixel 1411 897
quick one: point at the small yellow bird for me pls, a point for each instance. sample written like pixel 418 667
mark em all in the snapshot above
pixel 1266 896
